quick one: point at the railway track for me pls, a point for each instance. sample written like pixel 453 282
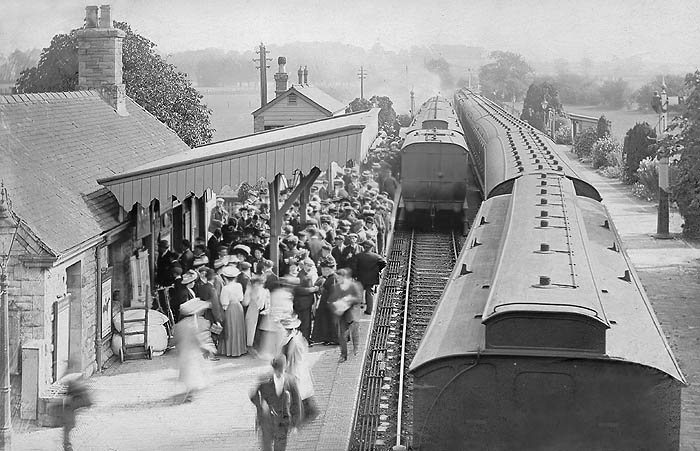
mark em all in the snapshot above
pixel 418 266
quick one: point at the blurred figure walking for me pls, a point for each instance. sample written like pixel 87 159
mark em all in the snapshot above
pixel 295 349
pixel 193 341
pixel 345 296
pixel 77 397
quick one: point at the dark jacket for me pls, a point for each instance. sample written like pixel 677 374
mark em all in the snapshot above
pixel 285 409
pixel 164 276
pixel 367 266
pixel 186 260
pixel 207 292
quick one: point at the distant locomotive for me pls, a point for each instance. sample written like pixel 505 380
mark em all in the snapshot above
pixel 544 338
pixel 434 160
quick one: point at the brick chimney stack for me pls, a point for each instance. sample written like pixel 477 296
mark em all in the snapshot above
pixel 300 73
pixel 306 76
pixel 100 58
pixel 281 77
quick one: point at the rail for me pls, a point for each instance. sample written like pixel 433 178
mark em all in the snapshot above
pixel 402 366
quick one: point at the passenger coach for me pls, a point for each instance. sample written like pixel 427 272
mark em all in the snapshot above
pixel 434 161
pixel 544 338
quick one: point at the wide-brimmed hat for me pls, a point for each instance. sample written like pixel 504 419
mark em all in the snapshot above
pixel 220 262
pixel 200 261
pixel 290 323
pixel 241 248
pixel 230 271
pixel 189 277
pixel 193 306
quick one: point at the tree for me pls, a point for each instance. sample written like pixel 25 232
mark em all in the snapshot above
pixel 684 139
pixel 603 127
pixel 533 112
pixel 637 146
pixel 150 81
pixel 404 120
pixel 675 86
pixel 614 93
pixel 387 115
pixel 583 145
pixel 506 78
pixel 358 104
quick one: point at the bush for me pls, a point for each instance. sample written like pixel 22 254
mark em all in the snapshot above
pixel 603 127
pixel 563 135
pixel 611 172
pixel 603 151
pixel 584 142
pixel 637 146
pixel 648 176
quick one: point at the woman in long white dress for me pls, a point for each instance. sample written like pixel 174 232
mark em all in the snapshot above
pixel 233 341
pixel 256 299
pixel 191 341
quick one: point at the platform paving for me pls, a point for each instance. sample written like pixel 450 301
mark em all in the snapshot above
pixel 670 273
pixel 138 407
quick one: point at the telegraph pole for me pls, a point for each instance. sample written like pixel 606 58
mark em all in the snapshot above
pixel 662 231
pixel 262 61
pixel 362 74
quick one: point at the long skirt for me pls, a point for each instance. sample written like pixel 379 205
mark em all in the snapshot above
pixel 232 342
pixel 324 330
pixel 252 316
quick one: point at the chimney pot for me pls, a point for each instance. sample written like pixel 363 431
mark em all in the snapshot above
pixel 300 73
pixel 306 75
pixel 91 16
pixel 105 16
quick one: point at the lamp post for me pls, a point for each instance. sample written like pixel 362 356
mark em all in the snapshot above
pixel 660 104
pixel 545 117
pixel 8 231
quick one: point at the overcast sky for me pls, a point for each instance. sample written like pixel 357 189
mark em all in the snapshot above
pixel 543 29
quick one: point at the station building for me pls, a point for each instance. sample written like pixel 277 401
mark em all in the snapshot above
pixel 94 182
pixel 295 104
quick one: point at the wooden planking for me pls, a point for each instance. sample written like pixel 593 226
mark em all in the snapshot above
pixel 285 159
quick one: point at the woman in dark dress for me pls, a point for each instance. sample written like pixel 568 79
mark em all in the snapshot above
pixel 325 329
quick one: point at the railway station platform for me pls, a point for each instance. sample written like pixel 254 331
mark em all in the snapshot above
pixel 670 273
pixel 137 406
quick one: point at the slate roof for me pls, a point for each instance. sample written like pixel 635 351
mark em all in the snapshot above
pixel 53 148
pixel 321 99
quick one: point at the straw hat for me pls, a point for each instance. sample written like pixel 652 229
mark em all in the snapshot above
pixel 290 323
pixel 189 277
pixel 193 306
pixel 230 271
pixel 242 248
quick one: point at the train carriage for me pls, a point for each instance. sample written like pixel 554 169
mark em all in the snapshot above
pixel 543 338
pixel 434 160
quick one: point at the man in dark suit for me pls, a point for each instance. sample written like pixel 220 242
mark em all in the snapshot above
pixel 278 406
pixel 366 267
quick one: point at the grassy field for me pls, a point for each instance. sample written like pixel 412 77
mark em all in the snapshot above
pixel 622 120
pixel 231 112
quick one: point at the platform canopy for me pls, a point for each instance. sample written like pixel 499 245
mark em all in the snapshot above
pixel 248 159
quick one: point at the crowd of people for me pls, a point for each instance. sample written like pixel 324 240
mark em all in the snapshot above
pixel 228 298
